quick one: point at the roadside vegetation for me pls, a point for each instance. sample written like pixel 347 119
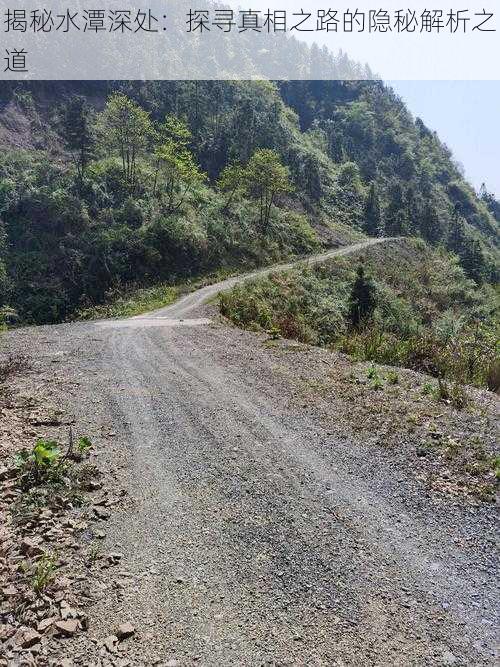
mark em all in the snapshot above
pixel 402 305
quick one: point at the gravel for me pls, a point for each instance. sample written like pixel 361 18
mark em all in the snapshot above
pixel 259 528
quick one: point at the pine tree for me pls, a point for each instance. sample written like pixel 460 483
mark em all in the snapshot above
pixel 363 298
pixel 372 222
pixel 431 226
pixel 456 237
pixel 472 259
pixel 396 218
pixel 78 132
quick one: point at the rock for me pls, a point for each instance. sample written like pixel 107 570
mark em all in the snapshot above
pixel 125 630
pixel 114 558
pixel 45 418
pixel 30 548
pixel 7 473
pixel 65 662
pixel 67 628
pixel 110 643
pixel 64 582
pixel 101 513
pixel 9 591
pixel 100 534
pixel 26 637
pixel 449 658
pixel 46 623
pixel 67 611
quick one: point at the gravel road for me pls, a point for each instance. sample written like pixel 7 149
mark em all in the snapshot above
pixel 251 535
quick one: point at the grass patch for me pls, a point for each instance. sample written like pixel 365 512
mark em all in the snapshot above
pixel 49 477
pixel 134 302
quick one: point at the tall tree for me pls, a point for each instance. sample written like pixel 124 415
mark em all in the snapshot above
pixel 363 298
pixel 396 215
pixel 176 163
pixel 79 132
pixel 231 181
pixel 431 225
pixel 267 177
pixel 372 218
pixel 128 130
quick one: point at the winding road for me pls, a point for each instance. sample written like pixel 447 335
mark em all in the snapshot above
pixel 250 534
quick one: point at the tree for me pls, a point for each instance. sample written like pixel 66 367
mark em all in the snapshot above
pixel 456 237
pixel 372 218
pixel 490 201
pixel 396 215
pixel 232 179
pixel 128 129
pixel 472 259
pixel 78 133
pixel 363 298
pixel 431 226
pixel 176 163
pixel 267 177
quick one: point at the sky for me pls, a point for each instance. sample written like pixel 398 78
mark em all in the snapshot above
pixel 466 116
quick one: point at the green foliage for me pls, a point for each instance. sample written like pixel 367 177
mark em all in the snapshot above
pixel 43 573
pixel 127 129
pixel 83 445
pixel 78 132
pixel 452 393
pixel 372 217
pixel 41 465
pixel 426 314
pixel 156 168
pixel 175 163
pixel 392 377
pixel 363 298
pixel 266 178
pixel 232 180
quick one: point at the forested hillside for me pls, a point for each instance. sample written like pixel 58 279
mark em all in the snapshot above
pixel 104 185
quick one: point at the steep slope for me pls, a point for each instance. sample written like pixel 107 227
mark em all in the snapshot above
pixel 358 162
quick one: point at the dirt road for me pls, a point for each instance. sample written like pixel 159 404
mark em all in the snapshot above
pixel 250 534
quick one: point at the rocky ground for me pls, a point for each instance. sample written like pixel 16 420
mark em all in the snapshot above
pixel 245 502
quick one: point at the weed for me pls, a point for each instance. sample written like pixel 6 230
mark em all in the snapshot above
pixel 376 381
pixel 452 393
pixel 274 333
pixel 40 466
pixel 43 573
pixel 392 377
pixel 495 466
pixel 453 448
pixel 93 555
pixel 84 445
pixel 428 389
pixel 485 493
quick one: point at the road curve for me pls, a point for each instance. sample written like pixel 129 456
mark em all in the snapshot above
pixel 195 299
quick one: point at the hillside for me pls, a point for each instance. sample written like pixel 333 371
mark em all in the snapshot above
pixel 80 225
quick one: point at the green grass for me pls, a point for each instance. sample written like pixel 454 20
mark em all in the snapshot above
pixel 135 302
pixel 130 301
